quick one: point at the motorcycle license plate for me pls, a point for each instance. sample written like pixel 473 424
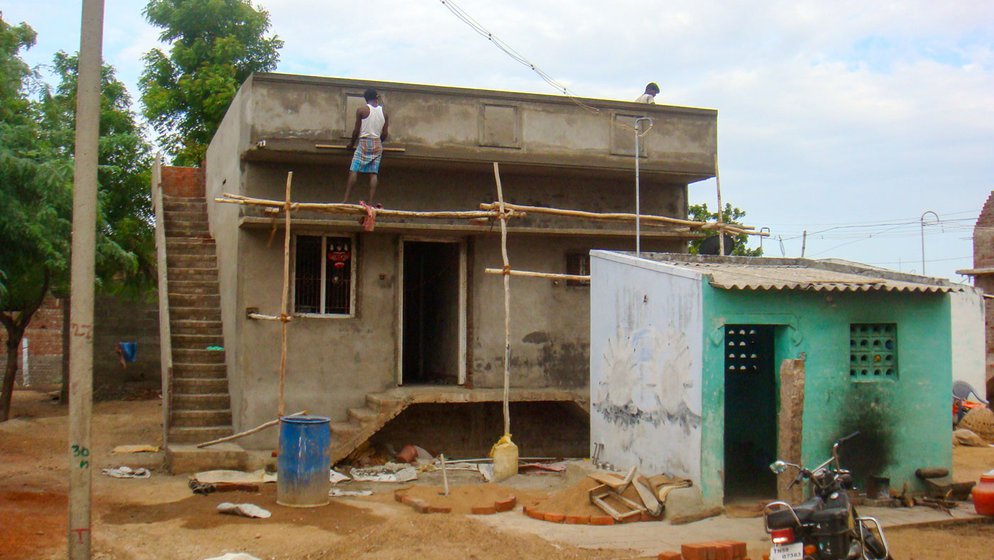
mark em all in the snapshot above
pixel 794 551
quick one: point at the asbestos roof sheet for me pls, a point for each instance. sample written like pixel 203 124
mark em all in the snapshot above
pixel 766 274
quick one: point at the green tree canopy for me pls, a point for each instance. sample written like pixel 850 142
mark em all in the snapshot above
pixel 731 215
pixel 214 46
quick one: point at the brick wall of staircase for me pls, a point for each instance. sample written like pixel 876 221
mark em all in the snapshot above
pixel 201 406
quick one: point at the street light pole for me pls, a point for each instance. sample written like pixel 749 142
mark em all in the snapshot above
pixel 922 222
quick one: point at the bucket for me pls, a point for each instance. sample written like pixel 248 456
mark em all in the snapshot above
pixel 304 461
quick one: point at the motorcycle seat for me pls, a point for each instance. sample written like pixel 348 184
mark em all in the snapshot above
pixel 782 518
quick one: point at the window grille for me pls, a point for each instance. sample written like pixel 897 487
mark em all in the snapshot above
pixel 323 275
pixel 872 351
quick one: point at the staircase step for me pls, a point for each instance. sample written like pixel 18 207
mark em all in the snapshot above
pixel 343 430
pixel 363 415
pixel 185 246
pixel 194 287
pixel 186 229
pixel 196 340
pixel 201 418
pixel 192 261
pixel 200 371
pixel 197 356
pixel 381 402
pixel 186 236
pixel 192 274
pixel 199 385
pixel 198 434
pixel 201 401
pixel 195 313
pixel 187 214
pixel 194 300
pixel 195 327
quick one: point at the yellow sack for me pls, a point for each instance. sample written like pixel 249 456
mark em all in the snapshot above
pixel 505 455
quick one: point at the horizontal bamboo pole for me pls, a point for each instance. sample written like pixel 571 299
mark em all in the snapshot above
pixel 261 317
pixel 344 147
pixel 355 209
pixel 615 216
pixel 254 430
pixel 549 275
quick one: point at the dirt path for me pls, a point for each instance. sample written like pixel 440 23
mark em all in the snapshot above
pixel 160 518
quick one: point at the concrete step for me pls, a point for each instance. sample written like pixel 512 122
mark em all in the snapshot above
pixel 194 341
pixel 201 418
pixel 192 274
pixel 197 434
pixel 186 229
pixel 195 327
pixel 194 287
pixel 186 236
pixel 197 356
pixel 208 260
pixel 343 430
pixel 200 385
pixel 183 458
pixel 187 214
pixel 363 415
pixel 381 402
pixel 201 401
pixel 194 313
pixel 212 301
pixel 189 246
pixel 200 371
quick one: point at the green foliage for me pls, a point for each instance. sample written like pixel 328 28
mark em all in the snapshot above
pixel 214 46
pixel 732 215
pixel 123 175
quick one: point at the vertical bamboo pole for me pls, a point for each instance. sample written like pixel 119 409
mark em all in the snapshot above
pixel 717 183
pixel 286 294
pixel 507 302
pixel 83 265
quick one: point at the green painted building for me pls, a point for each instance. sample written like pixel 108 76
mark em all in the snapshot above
pixel 686 353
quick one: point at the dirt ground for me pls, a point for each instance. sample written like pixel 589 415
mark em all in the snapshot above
pixel 159 517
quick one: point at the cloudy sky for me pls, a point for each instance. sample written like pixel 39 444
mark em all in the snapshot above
pixel 848 119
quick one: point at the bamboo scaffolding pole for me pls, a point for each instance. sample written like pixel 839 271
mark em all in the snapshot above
pixel 343 147
pixel 254 430
pixel 721 211
pixel 284 318
pixel 507 302
pixel 549 275
pixel 355 209
pixel 621 216
pixel 261 317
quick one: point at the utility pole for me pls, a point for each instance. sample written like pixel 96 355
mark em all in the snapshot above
pixel 804 242
pixel 84 231
pixel 922 222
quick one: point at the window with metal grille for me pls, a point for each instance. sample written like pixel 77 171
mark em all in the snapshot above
pixel 872 351
pixel 323 275
pixel 578 264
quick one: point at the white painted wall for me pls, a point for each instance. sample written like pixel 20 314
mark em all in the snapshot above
pixel 645 364
pixel 968 345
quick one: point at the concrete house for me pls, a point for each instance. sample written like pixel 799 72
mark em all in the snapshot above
pixel 398 331
pixel 686 377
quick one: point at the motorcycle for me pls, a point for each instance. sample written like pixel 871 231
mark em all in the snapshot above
pixel 825 527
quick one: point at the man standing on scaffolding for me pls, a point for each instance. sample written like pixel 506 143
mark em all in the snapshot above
pixel 368 135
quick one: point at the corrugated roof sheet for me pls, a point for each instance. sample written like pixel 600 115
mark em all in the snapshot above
pixel 758 273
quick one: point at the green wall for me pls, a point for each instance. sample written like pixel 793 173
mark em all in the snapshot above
pixel 905 423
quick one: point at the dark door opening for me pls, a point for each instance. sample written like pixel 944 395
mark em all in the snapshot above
pixel 750 412
pixel 431 313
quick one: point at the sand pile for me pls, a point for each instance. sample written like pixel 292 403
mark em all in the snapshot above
pixel 470 498
pixel 572 505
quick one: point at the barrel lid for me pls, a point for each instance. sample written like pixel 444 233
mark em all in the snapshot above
pixel 306 419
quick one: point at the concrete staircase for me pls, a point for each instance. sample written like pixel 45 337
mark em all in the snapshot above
pixel 363 422
pixel 201 407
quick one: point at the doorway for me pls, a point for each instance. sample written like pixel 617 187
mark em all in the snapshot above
pixel 750 412
pixel 432 308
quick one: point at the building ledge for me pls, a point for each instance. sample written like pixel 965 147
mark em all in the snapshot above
pixel 984 271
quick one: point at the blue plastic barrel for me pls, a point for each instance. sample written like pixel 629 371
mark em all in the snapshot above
pixel 304 461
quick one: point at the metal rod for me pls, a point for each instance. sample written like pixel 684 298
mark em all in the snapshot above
pixel 638 209
pixel 721 212
pixel 84 232
pixel 922 222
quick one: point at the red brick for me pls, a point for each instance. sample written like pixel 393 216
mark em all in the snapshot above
pixel 578 519
pixel 534 514
pixel 439 509
pixel 669 555
pixel 183 181
pixel 698 551
pixel 483 510
pixel 555 517
pixel 601 520
pixel 723 551
pixel 506 505
pixel 398 496
pixel 738 549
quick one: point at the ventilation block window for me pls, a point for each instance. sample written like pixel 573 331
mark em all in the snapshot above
pixel 872 351
pixel 323 275
pixel 578 264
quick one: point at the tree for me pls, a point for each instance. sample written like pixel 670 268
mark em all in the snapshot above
pixel 731 215
pixel 215 45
